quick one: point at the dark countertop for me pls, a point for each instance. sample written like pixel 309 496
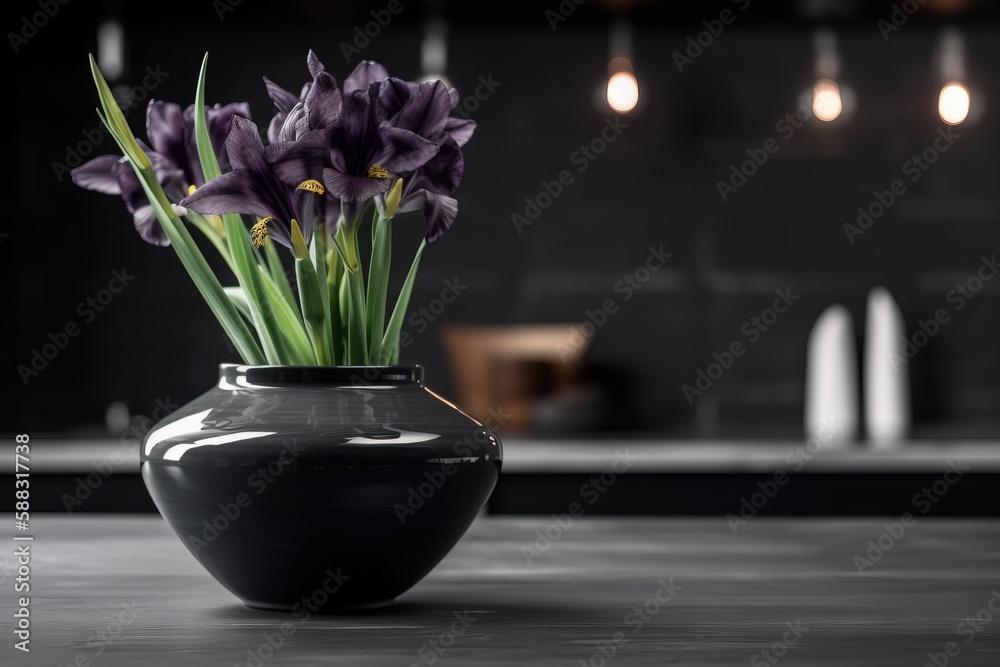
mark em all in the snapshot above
pixel 736 595
pixel 526 455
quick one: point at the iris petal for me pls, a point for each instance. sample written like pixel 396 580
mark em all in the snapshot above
pixel 314 65
pixel 354 189
pixel 403 150
pixel 283 100
pixel 98 175
pixel 149 227
pixel 322 103
pixel 235 192
pixel 421 108
pixel 366 73
pixel 165 129
pixel 460 129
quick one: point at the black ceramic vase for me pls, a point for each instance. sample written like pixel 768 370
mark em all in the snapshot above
pixel 320 489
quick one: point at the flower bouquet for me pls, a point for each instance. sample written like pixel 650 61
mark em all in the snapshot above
pixel 335 157
pixel 340 459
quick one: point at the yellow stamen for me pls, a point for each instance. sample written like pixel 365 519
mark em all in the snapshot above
pixel 376 171
pixel 191 189
pixel 259 232
pixel 312 186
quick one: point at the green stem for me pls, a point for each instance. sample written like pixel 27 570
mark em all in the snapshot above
pixel 333 271
pixel 317 253
pixel 212 235
pixel 313 310
pixel 378 285
pixel 276 269
pixel 357 342
pixel 245 260
pixel 390 343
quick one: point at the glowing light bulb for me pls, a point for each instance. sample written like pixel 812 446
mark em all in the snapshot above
pixel 953 103
pixel 623 92
pixel 827 104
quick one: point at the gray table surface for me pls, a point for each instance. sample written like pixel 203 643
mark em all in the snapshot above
pixel 735 596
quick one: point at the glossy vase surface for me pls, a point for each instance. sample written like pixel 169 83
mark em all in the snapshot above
pixel 320 489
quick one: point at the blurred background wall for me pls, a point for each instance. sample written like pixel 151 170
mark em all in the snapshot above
pixel 655 184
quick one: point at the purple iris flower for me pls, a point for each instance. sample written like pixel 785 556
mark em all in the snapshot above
pixel 174 156
pixel 113 175
pixel 171 133
pixel 357 155
pixel 254 188
pixel 425 109
pixel 316 107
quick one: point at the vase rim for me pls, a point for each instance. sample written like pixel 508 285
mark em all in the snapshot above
pixel 243 375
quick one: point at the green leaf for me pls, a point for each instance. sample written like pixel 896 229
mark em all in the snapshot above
pixel 180 239
pixel 333 282
pixel 313 310
pixel 115 121
pixel 261 310
pixel 204 279
pixel 353 298
pixel 390 343
pixel 239 299
pixel 206 154
pixel 344 308
pixel 177 233
pixel 296 341
pixel 279 277
pixel 245 260
pixel 212 235
pixel 357 340
pixel 378 285
pixel 318 257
